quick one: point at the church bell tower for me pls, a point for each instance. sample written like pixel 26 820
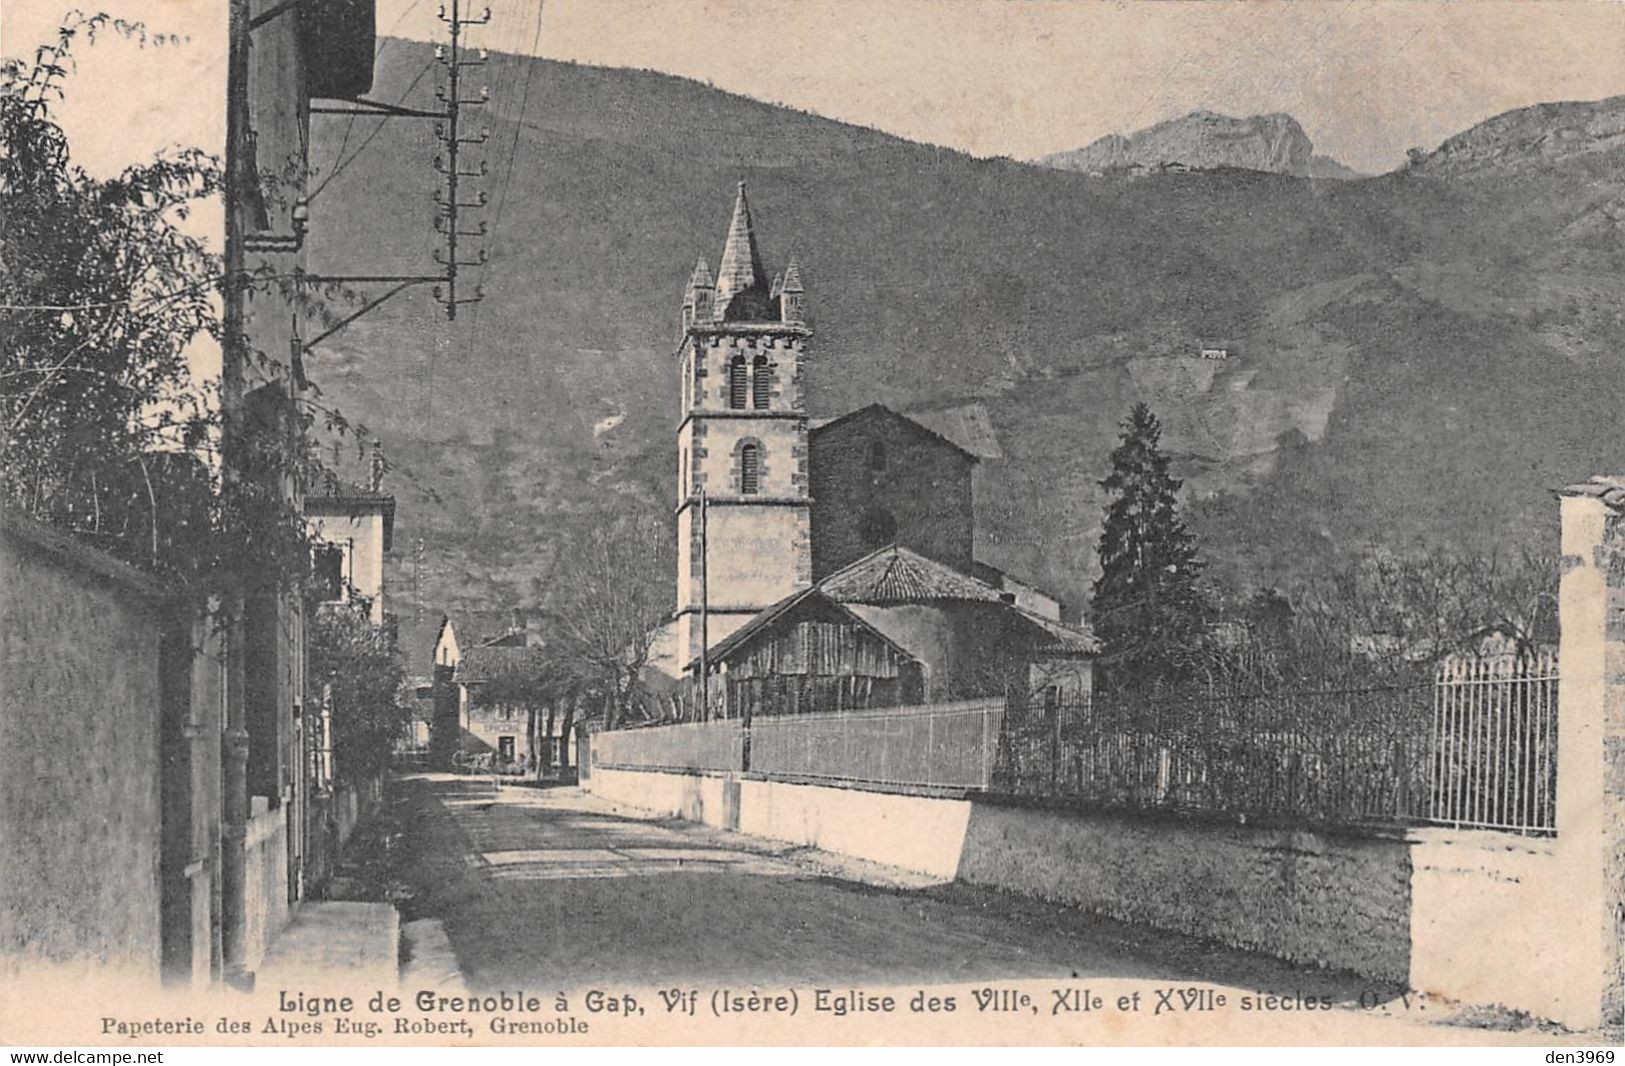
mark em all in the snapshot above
pixel 741 441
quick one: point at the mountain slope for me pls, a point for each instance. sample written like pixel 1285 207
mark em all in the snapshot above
pixel 1412 355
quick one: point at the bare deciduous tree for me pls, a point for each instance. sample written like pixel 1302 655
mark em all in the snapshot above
pixel 610 591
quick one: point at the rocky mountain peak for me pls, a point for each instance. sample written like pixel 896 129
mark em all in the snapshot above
pixel 1206 140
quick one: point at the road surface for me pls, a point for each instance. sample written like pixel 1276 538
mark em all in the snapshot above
pixel 553 888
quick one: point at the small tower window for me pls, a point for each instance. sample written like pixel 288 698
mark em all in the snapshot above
pixel 736 383
pixel 877 456
pixel 761 383
pixel 750 469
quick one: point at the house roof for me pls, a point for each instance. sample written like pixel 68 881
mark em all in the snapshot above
pixel 476 626
pixel 900 575
pixel 1610 490
pixel 880 410
pixel 416 640
pixel 487 662
pixel 1062 639
pixel 345 499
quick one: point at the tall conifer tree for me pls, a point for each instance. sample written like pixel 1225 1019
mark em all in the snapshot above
pixel 1147 607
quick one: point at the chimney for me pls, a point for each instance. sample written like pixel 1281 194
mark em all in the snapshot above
pixel 375 483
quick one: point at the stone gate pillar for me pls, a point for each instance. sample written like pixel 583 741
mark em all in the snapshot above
pixel 1591 742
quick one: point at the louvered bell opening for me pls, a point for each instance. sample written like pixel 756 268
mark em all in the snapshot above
pixel 737 384
pixel 339 38
pixel 761 384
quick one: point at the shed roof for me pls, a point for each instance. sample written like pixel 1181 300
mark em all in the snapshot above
pixel 808 598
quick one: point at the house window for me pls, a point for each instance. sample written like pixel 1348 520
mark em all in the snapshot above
pixel 750 469
pixel 877 456
pixel 761 383
pixel 328 567
pixel 736 383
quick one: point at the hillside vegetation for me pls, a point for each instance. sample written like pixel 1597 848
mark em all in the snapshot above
pixel 1421 355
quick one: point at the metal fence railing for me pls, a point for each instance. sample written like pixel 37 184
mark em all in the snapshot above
pixel 1333 756
pixel 1474 749
pixel 946 745
pixel 1495 743
pixel 686 746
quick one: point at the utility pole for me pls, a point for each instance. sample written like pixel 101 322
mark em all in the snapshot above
pixel 450 133
pixel 233 930
pixel 705 618
pixel 451 197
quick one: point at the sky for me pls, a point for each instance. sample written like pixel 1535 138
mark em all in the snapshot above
pixel 1367 79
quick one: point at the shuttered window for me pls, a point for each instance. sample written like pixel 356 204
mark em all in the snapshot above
pixel 736 383
pixel 761 383
pixel 750 469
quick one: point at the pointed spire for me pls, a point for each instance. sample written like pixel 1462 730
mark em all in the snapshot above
pixel 792 277
pixel 741 268
pixel 701 278
pixel 792 296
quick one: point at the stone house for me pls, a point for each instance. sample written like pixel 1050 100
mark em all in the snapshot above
pixel 497 719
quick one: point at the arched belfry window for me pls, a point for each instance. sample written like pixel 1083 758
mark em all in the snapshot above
pixel 736 382
pixel 750 469
pixel 877 456
pixel 761 383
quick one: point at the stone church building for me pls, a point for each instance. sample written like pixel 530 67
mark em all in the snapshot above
pixel 834 567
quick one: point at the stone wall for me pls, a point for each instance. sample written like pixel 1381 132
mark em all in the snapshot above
pixel 918 833
pixel 925 488
pixel 80 815
pixel 265 889
pixel 1341 901
pixel 703 798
